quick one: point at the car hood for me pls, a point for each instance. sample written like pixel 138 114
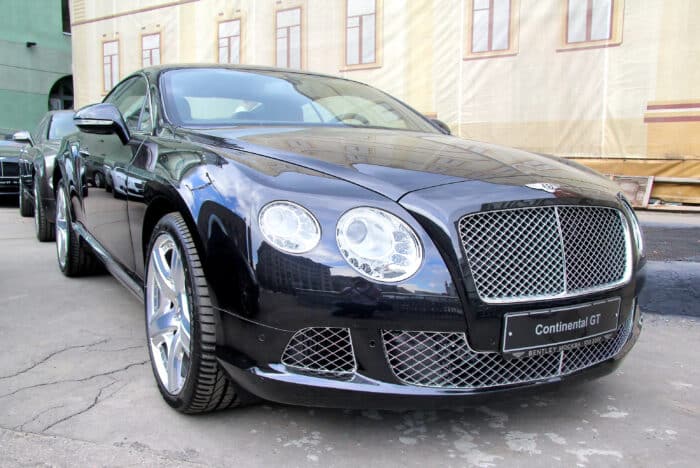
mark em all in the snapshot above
pixel 396 162
pixel 10 153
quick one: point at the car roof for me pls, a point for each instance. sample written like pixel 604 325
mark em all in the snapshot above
pixel 155 70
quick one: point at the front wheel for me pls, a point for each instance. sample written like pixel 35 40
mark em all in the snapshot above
pixel 181 323
pixel 97 180
pixel 74 256
pixel 25 207
pixel 42 226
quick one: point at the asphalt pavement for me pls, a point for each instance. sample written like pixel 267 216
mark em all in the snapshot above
pixel 76 388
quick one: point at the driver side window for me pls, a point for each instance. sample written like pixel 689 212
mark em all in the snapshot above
pixel 131 100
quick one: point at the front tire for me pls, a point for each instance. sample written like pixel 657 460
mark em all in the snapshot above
pixel 25 207
pixel 181 324
pixel 44 228
pixel 97 180
pixel 74 256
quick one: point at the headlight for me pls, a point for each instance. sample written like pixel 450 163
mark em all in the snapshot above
pixel 634 222
pixel 289 227
pixel 378 244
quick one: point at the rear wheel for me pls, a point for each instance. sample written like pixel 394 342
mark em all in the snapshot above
pixel 25 206
pixel 74 256
pixel 43 227
pixel 181 324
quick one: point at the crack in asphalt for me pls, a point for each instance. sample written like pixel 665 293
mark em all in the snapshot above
pixel 84 410
pixel 20 427
pixel 120 349
pixel 84 379
pixel 49 356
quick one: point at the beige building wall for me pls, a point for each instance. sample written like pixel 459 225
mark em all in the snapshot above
pixel 629 104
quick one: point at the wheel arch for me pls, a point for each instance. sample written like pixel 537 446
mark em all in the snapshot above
pixel 159 206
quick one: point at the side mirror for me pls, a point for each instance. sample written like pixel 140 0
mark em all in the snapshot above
pixel 102 119
pixel 442 126
pixel 23 137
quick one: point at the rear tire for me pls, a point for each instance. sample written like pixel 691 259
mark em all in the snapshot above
pixel 25 207
pixel 74 255
pixel 181 324
pixel 45 230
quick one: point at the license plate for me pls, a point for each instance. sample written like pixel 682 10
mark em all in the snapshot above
pixel 547 331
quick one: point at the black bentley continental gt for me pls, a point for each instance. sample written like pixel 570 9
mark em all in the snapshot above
pixel 311 240
pixel 36 194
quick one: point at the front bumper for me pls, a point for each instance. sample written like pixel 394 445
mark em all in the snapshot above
pixel 9 186
pixel 374 385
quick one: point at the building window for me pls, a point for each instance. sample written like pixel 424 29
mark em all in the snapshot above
pixel 589 20
pixel 288 38
pixel 230 41
pixel 493 28
pixel 110 64
pixel 490 25
pixel 592 23
pixel 361 32
pixel 150 49
pixel 65 16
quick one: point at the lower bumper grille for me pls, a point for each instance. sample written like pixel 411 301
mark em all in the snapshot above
pixel 445 360
pixel 325 350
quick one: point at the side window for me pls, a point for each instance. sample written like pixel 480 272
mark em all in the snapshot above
pixel 145 124
pixel 129 98
pixel 39 133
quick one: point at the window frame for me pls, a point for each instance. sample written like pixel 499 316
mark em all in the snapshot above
pixel 115 80
pixel 378 39
pixel 160 49
pixel 513 33
pixel 118 89
pixel 302 38
pixel 616 26
pixel 240 41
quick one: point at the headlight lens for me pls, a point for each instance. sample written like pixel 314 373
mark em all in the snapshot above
pixel 378 244
pixel 289 227
pixel 636 228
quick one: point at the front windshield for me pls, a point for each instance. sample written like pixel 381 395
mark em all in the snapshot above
pixel 214 97
pixel 62 125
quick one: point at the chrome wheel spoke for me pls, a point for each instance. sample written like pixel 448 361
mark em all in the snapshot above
pixel 163 276
pixel 184 335
pixel 165 324
pixel 174 364
pixel 61 227
pixel 168 313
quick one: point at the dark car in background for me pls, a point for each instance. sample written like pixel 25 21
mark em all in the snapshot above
pixel 312 240
pixel 36 191
pixel 9 164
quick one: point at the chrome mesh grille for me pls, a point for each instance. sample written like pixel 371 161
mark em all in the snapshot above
pixel 544 252
pixel 327 350
pixel 9 169
pixel 444 359
pixel 595 246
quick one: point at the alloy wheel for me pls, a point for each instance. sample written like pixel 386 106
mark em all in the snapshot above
pixel 168 314
pixel 62 227
pixel 36 207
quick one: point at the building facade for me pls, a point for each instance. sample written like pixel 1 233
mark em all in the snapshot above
pixel 612 83
pixel 35 61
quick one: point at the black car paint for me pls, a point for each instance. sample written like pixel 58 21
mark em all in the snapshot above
pixel 9 160
pixel 37 164
pixel 218 179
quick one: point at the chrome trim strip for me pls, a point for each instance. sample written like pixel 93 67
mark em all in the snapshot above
pixel 112 265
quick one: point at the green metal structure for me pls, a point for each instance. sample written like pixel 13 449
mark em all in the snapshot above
pixel 35 61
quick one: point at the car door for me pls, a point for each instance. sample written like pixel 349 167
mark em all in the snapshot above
pixel 106 214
